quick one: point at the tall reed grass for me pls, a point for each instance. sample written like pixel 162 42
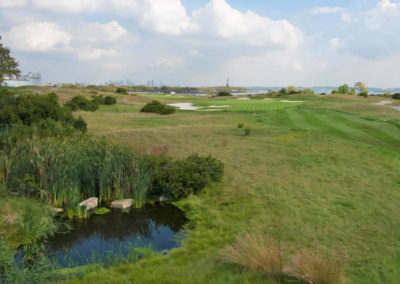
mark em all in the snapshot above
pixel 72 169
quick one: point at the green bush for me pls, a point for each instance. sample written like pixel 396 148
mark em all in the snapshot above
pixel 363 94
pixel 32 110
pixel 178 179
pixel 82 103
pixel 110 100
pixel 224 94
pixel 157 107
pixel 247 131
pixel 121 90
pixel 396 96
pixel 240 125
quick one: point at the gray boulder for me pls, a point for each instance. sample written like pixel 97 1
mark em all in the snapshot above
pixel 90 203
pixel 122 204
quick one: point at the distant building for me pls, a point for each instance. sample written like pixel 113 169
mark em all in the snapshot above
pixel 31 79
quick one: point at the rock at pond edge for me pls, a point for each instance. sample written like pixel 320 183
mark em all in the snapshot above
pixel 122 204
pixel 90 203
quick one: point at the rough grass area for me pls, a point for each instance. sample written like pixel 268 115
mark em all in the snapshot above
pixel 321 174
pixel 23 221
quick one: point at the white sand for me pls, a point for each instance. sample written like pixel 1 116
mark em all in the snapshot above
pixel 220 106
pixel 396 108
pixel 286 101
pixel 243 99
pixel 382 103
pixel 185 106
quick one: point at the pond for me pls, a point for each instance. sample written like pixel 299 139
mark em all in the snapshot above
pixel 157 226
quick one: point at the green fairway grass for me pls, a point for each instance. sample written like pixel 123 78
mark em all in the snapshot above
pixel 237 105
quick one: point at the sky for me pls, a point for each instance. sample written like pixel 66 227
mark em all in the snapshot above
pixel 204 42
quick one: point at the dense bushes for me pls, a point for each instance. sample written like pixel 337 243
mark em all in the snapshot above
pixel 108 100
pixel 396 96
pixel 82 103
pixel 157 107
pixel 224 94
pixel 66 171
pixel 177 179
pixel 121 90
pixel 32 109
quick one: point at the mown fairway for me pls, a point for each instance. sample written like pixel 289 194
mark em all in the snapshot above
pixel 322 175
pixel 237 105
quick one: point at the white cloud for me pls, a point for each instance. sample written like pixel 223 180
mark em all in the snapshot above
pixel 96 32
pixel 219 19
pixel 165 16
pixel 385 14
pixel 90 53
pixel 40 36
pixel 13 3
pixel 69 6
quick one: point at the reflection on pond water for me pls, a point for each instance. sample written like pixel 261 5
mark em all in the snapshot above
pixel 157 226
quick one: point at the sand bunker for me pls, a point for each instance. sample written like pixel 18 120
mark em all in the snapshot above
pixel 396 108
pixel 243 99
pixel 382 103
pixel 286 101
pixel 220 106
pixel 185 106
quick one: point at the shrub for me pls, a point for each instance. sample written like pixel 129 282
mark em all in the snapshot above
pixel 396 96
pixel 224 94
pixel 80 124
pixel 157 107
pixel 81 103
pixel 315 269
pixel 177 179
pixel 32 110
pixel 256 252
pixel 363 94
pixel 247 131
pixel 240 125
pixel 121 90
pixel 110 100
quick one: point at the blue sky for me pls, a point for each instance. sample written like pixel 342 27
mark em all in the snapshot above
pixel 203 42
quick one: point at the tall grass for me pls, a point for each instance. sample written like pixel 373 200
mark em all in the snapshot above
pixel 316 269
pixel 72 169
pixel 258 253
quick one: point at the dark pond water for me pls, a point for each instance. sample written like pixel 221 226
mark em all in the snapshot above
pixel 157 226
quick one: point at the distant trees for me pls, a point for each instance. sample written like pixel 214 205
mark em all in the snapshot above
pixel 121 90
pixel 8 64
pixel 396 96
pixel 361 89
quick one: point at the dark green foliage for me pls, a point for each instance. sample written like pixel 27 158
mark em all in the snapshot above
pixel 247 131
pixel 80 124
pixel 240 125
pixel 224 94
pixel 283 91
pixel 67 171
pixel 157 107
pixel 363 94
pixel 33 110
pixel 121 90
pixel 108 100
pixel 8 64
pixel 178 179
pixel 396 96
pixel 82 103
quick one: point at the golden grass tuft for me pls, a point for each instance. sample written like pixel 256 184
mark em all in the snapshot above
pixel 315 269
pixel 256 252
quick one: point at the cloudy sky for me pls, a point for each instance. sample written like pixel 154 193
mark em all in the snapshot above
pixel 203 42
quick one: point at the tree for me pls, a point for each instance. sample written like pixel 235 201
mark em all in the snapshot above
pixel 361 88
pixel 8 64
pixel 344 89
pixel 292 90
